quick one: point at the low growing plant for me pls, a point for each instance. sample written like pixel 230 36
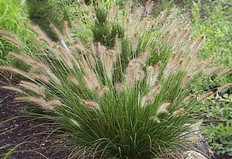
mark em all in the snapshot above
pixel 131 99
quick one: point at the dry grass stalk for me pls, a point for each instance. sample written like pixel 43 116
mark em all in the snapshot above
pixel 100 92
pixel 33 87
pixel 135 42
pixel 46 70
pixel 73 80
pixel 228 85
pixel 153 73
pixel 91 81
pixel 189 98
pixel 39 77
pixel 14 70
pixel 163 108
pixel 11 38
pixel 41 34
pixel 204 96
pixel 179 112
pixel 51 104
pixel 212 70
pixel 91 104
pixel 224 72
pixel 11 88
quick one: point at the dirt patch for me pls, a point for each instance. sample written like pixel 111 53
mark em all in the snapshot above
pixel 27 136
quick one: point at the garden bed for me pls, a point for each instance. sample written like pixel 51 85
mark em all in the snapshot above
pixel 27 137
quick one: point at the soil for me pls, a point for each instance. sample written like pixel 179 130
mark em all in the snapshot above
pixel 31 133
pixel 27 136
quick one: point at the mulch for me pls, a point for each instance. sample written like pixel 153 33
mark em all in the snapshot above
pixel 31 133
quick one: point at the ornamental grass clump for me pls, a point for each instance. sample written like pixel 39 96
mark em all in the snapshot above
pixel 130 99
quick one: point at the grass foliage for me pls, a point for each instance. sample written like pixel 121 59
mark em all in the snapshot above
pixel 119 85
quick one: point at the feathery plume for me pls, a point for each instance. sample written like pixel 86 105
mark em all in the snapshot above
pixel 38 77
pixel 41 34
pixel 178 112
pixel 224 72
pixel 128 6
pixel 149 98
pixel 73 80
pixel 204 96
pixel 135 42
pixel 212 70
pixel 228 85
pixel 38 101
pixel 189 98
pixel 138 12
pixel 45 69
pixel 11 88
pixel 91 104
pixel 14 70
pixel 155 90
pixel 185 81
pixel 33 87
pixel 118 46
pixel 66 32
pixel 10 38
pixel 100 92
pixel 162 16
pixel 163 108
pixel 91 59
pixel 91 81
pixel 118 87
pixel 153 73
pixel 51 104
pixel 146 100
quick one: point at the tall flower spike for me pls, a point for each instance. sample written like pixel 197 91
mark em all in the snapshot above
pixel 178 112
pixel 51 104
pixel 204 96
pixel 224 72
pixel 73 80
pixel 11 88
pixel 91 104
pixel 152 74
pixel 163 108
pixel 10 38
pixel 91 81
pixel 228 85
pixel 38 101
pixel 33 87
pixel 189 98
pixel 149 98
pixel 135 42
pixel 212 70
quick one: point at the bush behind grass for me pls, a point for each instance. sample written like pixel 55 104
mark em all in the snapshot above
pixel 12 19
pixel 214 20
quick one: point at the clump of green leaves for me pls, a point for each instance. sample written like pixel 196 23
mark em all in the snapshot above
pixel 129 99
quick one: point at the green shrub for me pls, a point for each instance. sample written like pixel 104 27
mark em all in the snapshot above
pixel 12 19
pixel 130 99
pixel 213 19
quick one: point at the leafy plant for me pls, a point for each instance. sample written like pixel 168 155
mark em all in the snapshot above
pixel 12 18
pixel 212 19
pixel 130 99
